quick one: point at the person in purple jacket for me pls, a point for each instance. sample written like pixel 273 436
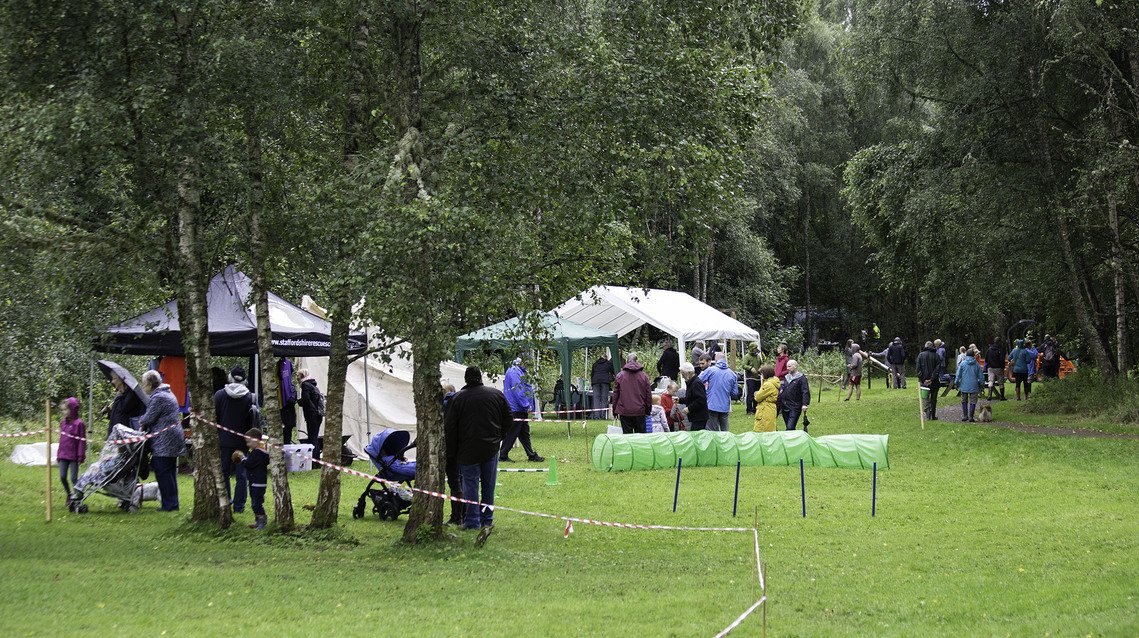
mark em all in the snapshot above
pixel 72 444
pixel 287 393
pixel 520 397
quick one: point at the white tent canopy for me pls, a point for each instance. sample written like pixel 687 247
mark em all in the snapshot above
pixel 377 395
pixel 622 310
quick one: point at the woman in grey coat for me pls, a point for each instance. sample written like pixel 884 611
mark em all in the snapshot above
pixel 170 444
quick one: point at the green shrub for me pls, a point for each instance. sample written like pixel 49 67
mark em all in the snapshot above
pixel 1086 393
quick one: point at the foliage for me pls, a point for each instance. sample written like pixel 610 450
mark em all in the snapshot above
pixel 1010 171
pixel 790 335
pixel 1085 395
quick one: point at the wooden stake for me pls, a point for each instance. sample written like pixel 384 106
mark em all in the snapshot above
pixel 921 407
pixel 47 428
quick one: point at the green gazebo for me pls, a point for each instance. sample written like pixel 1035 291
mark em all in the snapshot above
pixel 540 331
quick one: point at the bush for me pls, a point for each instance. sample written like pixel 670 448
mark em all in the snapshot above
pixel 1087 394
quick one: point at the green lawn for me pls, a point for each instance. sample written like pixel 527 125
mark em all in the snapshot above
pixel 979 531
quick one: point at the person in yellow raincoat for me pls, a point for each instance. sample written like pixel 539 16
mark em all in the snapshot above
pixel 765 400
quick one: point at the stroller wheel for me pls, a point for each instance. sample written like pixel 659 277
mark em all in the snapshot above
pixel 132 508
pixel 358 512
pixel 82 509
pixel 389 512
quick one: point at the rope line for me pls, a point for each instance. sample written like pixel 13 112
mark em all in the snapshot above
pixel 569 519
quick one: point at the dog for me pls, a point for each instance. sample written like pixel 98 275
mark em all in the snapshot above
pixel 985 413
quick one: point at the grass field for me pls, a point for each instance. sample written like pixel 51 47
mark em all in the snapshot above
pixel 979 531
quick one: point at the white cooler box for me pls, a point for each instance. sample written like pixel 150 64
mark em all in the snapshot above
pixel 300 461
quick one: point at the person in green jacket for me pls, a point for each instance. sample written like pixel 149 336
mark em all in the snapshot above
pixel 753 361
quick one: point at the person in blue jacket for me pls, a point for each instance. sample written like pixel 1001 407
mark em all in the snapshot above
pixel 520 397
pixel 722 386
pixel 1033 355
pixel 969 378
pixel 1019 358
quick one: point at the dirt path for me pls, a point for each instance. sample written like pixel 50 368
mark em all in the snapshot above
pixel 952 412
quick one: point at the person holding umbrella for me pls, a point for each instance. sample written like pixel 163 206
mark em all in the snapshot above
pixel 130 400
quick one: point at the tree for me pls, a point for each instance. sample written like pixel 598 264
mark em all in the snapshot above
pixel 1010 141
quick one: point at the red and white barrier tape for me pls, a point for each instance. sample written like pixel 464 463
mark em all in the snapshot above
pixel 133 439
pixel 829 378
pixel 551 421
pixel 16 434
pixel 575 411
pixel 737 621
pixel 568 519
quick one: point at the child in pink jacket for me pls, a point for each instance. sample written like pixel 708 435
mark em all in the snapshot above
pixel 72 446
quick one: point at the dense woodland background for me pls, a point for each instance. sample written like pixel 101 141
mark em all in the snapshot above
pixel 937 167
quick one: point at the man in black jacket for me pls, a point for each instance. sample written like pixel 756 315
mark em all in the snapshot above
pixel 475 422
pixel 896 357
pixel 795 395
pixel 995 366
pixel 601 378
pixel 233 405
pixel 669 363
pixel 928 377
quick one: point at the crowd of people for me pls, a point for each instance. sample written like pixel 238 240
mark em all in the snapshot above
pixel 710 386
pixel 973 374
pixel 482 423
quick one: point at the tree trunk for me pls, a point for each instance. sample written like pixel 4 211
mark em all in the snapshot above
pixel 328 497
pixel 270 390
pixel 1120 286
pixel 1118 257
pixel 706 272
pixel 425 520
pixel 807 337
pixel 426 517
pixel 696 278
pixel 210 500
pixel 1072 277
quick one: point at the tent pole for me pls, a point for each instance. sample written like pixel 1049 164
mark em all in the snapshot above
pixel 367 401
pixel 256 376
pixel 91 394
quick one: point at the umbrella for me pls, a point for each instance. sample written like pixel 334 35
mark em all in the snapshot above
pixel 110 366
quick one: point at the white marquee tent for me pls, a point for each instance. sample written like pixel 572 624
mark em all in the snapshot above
pixel 377 395
pixel 622 310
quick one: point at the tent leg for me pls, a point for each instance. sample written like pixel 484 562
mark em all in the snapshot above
pixel 367 400
pixel 256 377
pixel 91 395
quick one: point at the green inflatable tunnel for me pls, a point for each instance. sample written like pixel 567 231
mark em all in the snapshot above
pixel 617 452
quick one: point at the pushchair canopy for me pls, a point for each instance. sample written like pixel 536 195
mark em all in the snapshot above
pixel 385 452
pixel 388 442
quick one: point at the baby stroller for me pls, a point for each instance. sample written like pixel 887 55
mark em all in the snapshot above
pixel 386 452
pixel 115 473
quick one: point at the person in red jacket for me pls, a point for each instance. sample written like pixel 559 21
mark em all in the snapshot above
pixel 781 358
pixel 632 398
